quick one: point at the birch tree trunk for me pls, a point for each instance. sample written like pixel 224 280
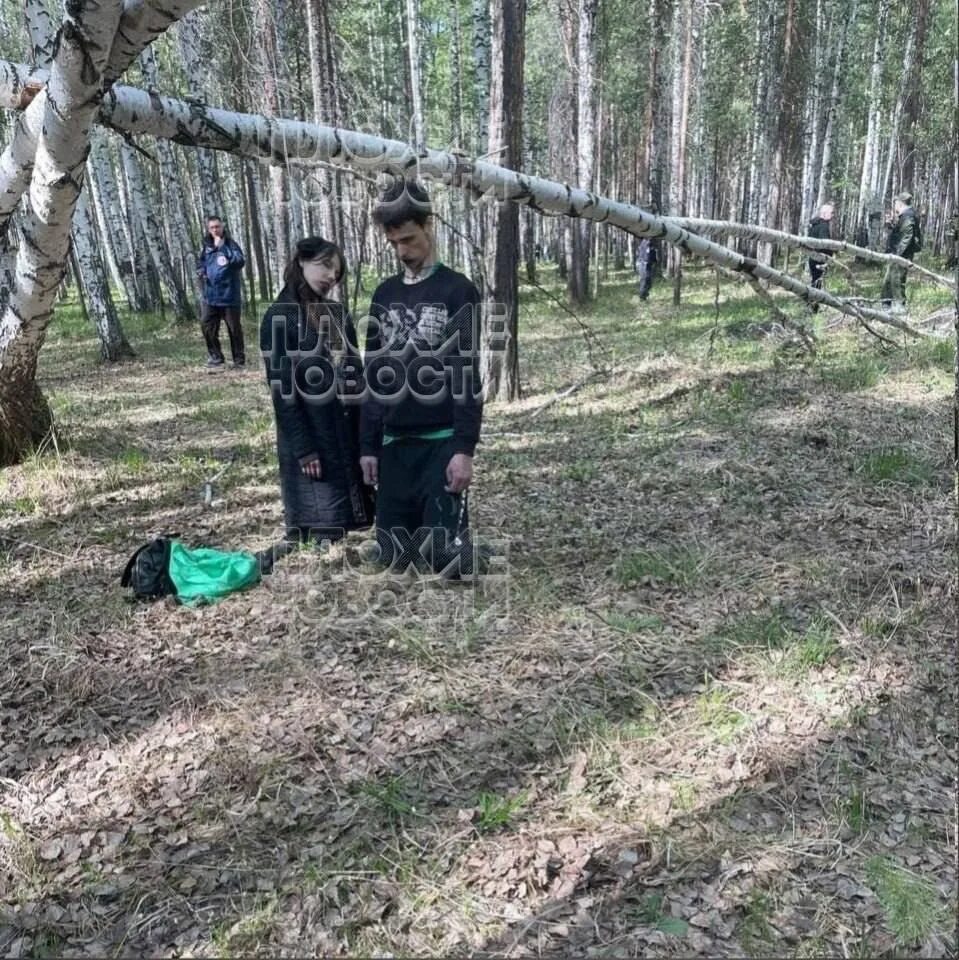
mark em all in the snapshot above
pixel 481 52
pixel 114 223
pixel 136 113
pixel 907 60
pixel 500 354
pixel 181 246
pixel 681 63
pixel 189 35
pixel 867 203
pixel 582 44
pixel 143 211
pixel 69 105
pixel 323 109
pixel 416 82
pixel 279 178
pixel 113 342
pixel 912 95
pixel 848 23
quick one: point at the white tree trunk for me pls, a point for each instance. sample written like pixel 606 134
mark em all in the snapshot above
pixel 69 104
pixel 867 181
pixel 114 222
pixel 181 247
pixel 153 234
pixel 113 343
pixel 822 194
pixel 189 31
pixel 257 137
pixel 812 118
pixel 897 110
pixel 481 51
pixel 41 31
pixel 416 80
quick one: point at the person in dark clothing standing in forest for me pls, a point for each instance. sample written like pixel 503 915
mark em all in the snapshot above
pixel 218 267
pixel 314 370
pixel 905 240
pixel 819 229
pixel 646 260
pixel 423 408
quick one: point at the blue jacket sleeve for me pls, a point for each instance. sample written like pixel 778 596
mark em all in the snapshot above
pixel 234 254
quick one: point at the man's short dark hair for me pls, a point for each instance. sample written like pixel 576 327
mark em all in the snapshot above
pixel 403 200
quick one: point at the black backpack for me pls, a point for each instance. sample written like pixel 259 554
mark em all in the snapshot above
pixel 148 571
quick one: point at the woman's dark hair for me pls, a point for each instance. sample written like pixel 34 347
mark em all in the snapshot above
pixel 310 248
pixel 403 200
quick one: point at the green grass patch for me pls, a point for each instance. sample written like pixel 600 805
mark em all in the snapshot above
pixel 753 632
pixel 911 903
pixel 582 471
pixel 715 710
pixel 649 912
pixel 811 650
pixel 133 461
pixel 628 623
pixel 895 465
pixel 680 566
pixel 855 810
pixel 857 373
pixel 392 797
pixel 496 811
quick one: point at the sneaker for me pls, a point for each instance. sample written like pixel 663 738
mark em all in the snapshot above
pixel 239 364
pixel 213 364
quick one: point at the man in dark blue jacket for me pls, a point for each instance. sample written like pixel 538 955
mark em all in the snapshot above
pixel 218 266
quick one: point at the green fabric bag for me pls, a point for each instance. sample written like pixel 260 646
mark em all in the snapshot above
pixel 204 574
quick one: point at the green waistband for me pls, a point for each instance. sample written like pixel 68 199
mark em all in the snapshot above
pixel 443 434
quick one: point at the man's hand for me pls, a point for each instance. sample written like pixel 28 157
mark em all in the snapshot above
pixel 312 469
pixel 459 473
pixel 371 470
pixel 218 242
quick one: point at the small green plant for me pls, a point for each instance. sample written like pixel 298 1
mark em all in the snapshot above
pixel 679 566
pixel 496 811
pixel 684 794
pixel 582 471
pixel 895 465
pixel 861 373
pixel 813 649
pixel 738 391
pixel 630 624
pixel 911 903
pixel 650 913
pixel 855 810
pixel 245 937
pixel 764 631
pixel 716 712
pixel 392 796
pixel 133 460
pixel 754 930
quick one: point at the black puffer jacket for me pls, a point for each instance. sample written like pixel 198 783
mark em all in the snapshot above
pixel 310 353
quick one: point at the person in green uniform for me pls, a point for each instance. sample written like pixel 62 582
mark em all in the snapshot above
pixel 420 420
pixel 905 240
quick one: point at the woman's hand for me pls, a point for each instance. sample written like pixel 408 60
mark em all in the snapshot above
pixel 312 468
pixel 371 470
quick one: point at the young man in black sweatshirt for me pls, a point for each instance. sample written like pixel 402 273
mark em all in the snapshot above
pixel 421 417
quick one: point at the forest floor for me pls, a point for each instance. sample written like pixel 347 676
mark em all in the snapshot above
pixel 705 702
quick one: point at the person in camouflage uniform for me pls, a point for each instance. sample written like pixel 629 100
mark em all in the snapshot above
pixel 905 240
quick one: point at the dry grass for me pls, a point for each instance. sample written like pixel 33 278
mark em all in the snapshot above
pixel 714 684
